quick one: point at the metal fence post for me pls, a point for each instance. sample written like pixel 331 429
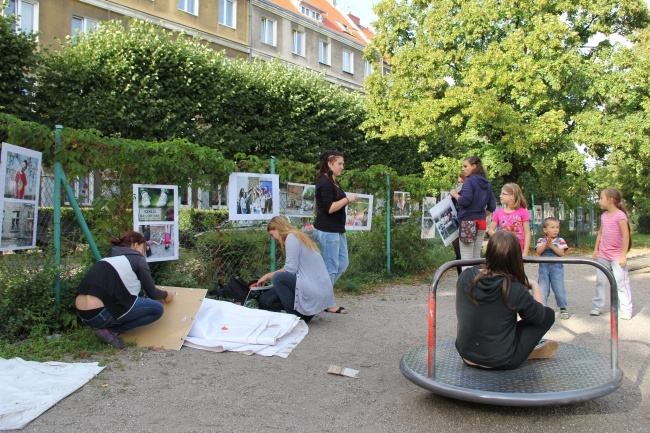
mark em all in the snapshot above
pixel 388 209
pixel 56 215
pixel 273 260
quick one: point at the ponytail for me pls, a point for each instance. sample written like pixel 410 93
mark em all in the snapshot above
pixel 128 238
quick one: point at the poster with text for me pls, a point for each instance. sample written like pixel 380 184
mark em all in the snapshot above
pixel 445 220
pixel 358 215
pixel 20 176
pixel 428 230
pixel 155 215
pixel 299 202
pixel 253 196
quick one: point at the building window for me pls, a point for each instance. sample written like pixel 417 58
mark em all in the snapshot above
pixel 311 13
pixel 348 62
pixel 268 31
pixel 83 25
pixel 189 6
pixel 27 13
pixel 367 68
pixel 298 43
pixel 228 13
pixel 324 52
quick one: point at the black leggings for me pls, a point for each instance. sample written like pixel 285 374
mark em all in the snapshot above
pixel 527 337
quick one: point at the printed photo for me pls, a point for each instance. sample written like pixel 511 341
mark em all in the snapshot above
pixel 299 200
pixel 161 240
pixel 548 213
pixel 428 230
pixel 359 214
pixel 445 220
pixel 21 173
pixel 537 214
pixel 253 196
pixel 154 203
pixel 401 204
pixel 572 223
pixel 18 226
pixel 561 212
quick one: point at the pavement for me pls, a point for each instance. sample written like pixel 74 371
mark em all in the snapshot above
pixel 639 263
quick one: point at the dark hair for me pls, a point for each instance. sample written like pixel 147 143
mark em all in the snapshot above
pixel 549 220
pixel 128 238
pixel 462 176
pixel 324 168
pixel 503 257
pixel 615 194
pixel 475 160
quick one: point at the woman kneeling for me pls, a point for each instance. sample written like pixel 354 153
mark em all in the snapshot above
pixel 488 300
pixel 303 287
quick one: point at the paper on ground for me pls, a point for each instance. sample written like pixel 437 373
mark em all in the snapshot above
pixel 29 388
pixel 343 371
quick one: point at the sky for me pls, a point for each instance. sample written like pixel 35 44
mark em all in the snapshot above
pixel 359 8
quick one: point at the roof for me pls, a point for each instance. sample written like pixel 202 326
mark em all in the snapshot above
pixel 345 24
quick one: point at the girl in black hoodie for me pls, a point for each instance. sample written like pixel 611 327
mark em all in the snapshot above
pixel 488 300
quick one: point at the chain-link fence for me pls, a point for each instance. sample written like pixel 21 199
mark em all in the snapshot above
pixel 578 224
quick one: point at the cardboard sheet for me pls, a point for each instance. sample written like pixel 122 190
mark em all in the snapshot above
pixel 170 330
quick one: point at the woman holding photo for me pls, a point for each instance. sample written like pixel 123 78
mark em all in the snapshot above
pixel 329 226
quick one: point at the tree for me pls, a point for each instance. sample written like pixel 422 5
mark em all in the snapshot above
pixel 501 79
pixel 19 59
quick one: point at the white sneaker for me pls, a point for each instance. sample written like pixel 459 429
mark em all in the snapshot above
pixel 625 315
pixel 595 311
pixel 162 200
pixel 146 199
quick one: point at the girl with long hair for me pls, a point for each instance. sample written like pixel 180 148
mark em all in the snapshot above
pixel 488 300
pixel 302 287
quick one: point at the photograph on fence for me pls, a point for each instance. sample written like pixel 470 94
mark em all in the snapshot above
pixel 380 206
pixel 18 226
pixel 445 220
pixel 161 240
pixel 549 212
pixel 358 215
pixel 155 215
pixel 561 213
pixel 401 204
pixel 299 201
pixel 218 196
pixel 428 231
pixel 20 174
pixel 537 214
pixel 572 223
pixel 253 196
pixel 579 214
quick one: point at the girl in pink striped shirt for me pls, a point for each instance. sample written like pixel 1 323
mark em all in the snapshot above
pixel 612 245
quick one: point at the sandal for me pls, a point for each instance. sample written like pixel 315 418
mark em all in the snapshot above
pixel 340 310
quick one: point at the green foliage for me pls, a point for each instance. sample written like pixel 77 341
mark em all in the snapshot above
pixel 643 224
pixel 503 80
pixel 27 303
pixel 19 60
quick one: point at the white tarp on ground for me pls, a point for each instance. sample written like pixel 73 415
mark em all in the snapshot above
pixel 223 326
pixel 29 388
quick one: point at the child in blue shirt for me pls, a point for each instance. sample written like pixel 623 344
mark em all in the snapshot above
pixel 551 275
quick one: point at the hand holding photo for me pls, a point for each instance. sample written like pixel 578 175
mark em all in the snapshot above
pixel 445 220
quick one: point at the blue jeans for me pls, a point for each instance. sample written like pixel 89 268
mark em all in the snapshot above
pixel 551 276
pixel 334 248
pixel 283 294
pixel 143 312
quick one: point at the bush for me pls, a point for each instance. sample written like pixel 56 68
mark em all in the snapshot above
pixel 643 224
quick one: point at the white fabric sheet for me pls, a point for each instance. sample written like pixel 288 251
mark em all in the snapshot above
pixel 29 388
pixel 223 326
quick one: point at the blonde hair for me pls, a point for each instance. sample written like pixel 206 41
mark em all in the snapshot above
pixel 285 229
pixel 514 190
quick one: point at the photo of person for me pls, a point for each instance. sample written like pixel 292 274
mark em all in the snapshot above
pixel 561 213
pixel 21 169
pixel 253 196
pixel 159 241
pixel 155 215
pixel 537 214
pixel 358 215
pixel 300 200
pixel 445 220
pixel 401 204
pixel 428 230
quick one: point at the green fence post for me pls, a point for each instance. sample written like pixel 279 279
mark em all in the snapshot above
pixel 56 214
pixel 388 208
pixel 273 240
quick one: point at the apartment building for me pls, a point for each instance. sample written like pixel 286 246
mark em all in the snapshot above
pixel 314 34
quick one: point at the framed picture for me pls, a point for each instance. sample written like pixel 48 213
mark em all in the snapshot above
pixel 299 201
pixel 253 196
pixel 572 224
pixel 445 220
pixel 20 176
pixel 561 212
pixel 401 204
pixel 155 215
pixel 537 214
pixel 358 215
pixel 428 230
pixel 579 214
pixel 548 210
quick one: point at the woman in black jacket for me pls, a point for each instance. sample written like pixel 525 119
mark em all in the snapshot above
pixel 107 298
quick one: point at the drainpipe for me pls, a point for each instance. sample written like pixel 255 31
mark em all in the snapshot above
pixel 250 31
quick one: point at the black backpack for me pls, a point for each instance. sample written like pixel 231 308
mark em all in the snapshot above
pixel 236 290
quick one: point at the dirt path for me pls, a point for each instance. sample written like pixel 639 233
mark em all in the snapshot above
pixel 198 391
